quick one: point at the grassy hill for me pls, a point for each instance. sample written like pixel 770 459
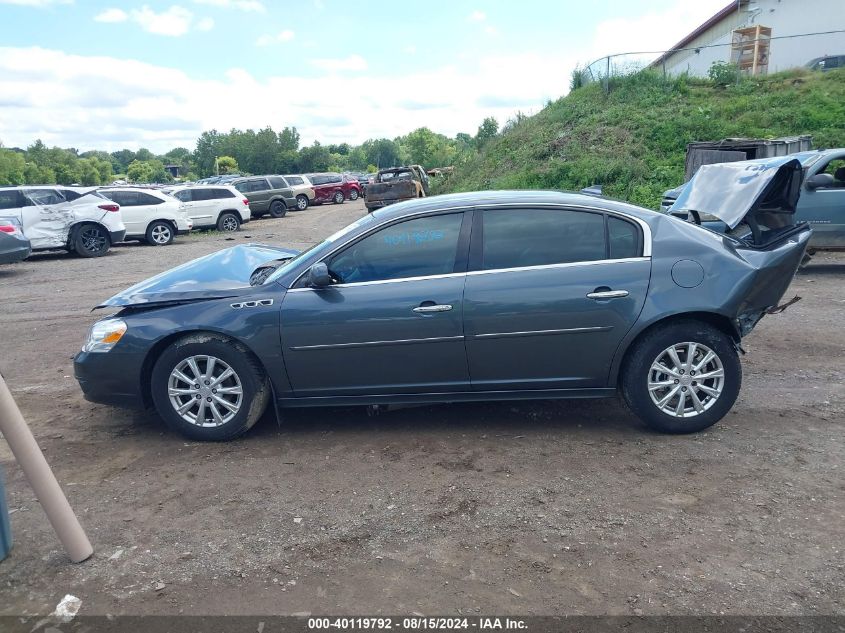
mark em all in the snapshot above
pixel 632 140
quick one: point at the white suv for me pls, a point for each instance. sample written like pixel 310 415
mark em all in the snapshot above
pixel 213 206
pixel 150 214
pixel 57 217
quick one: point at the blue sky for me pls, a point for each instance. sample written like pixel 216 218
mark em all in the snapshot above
pixel 155 74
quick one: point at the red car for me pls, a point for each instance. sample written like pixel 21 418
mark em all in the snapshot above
pixel 334 188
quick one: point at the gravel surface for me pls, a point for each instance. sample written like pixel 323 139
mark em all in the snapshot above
pixel 521 508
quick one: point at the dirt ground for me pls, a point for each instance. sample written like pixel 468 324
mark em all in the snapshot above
pixel 526 508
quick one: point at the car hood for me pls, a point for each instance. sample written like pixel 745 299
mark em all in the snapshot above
pixel 222 274
pixel 733 191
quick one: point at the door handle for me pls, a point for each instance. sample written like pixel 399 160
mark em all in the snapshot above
pixel 607 294
pixel 425 309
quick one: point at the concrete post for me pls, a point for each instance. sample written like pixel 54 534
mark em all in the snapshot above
pixel 41 478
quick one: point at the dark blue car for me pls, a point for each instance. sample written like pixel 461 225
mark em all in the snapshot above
pixel 468 297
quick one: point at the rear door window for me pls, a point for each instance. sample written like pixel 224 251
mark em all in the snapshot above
pixel 145 198
pixel 44 196
pixel 184 195
pixel 294 180
pixel 202 193
pixel 277 182
pixel 223 193
pixel 516 238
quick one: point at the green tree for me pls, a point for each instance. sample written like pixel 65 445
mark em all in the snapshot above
pixel 227 165
pixel 487 130
pixel 315 158
pixel 12 166
pixel 382 152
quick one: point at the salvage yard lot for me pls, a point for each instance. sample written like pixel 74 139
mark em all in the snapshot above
pixel 527 508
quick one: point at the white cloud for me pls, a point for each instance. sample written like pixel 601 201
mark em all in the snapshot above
pixel 477 16
pixel 491 30
pixel 112 16
pixel 35 3
pixel 60 100
pixel 351 63
pixel 282 36
pixel 174 21
pixel 243 5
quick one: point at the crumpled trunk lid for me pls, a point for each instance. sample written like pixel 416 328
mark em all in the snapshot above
pixel 760 193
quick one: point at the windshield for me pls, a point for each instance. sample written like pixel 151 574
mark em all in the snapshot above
pixel 318 248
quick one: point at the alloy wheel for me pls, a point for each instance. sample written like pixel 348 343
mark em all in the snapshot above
pixel 93 240
pixel 686 379
pixel 205 391
pixel 229 223
pixel 160 234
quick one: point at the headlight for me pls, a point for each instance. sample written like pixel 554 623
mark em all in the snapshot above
pixel 104 334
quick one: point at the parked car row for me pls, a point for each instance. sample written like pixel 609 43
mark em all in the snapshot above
pixel 88 220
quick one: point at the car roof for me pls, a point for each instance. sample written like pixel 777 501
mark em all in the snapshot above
pixel 511 198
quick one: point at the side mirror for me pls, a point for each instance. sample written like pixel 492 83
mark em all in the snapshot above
pixel 318 276
pixel 819 181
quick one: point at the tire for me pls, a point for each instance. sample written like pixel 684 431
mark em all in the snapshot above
pixel 301 202
pixel 247 396
pixel 716 394
pixel 353 195
pixel 278 209
pixel 90 240
pixel 228 222
pixel 338 198
pixel 160 233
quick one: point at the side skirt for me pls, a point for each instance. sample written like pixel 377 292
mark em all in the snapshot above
pixel 441 398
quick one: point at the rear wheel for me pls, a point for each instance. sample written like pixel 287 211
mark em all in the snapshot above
pixel 278 209
pixel 301 202
pixel 160 233
pixel 338 197
pixel 206 387
pixel 228 222
pixel 682 378
pixel 353 195
pixel 90 240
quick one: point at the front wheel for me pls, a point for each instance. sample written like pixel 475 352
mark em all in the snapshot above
pixel 278 209
pixel 682 378
pixel 338 197
pixel 228 222
pixel 207 387
pixel 353 195
pixel 91 240
pixel 160 233
pixel 301 202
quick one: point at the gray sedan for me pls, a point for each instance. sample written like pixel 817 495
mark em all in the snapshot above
pixel 14 247
pixel 507 295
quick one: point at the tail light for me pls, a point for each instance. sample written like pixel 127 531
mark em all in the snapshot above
pixel 246 202
pixel 114 208
pixel 8 228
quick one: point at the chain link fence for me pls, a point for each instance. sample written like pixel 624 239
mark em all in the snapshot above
pixel 738 56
